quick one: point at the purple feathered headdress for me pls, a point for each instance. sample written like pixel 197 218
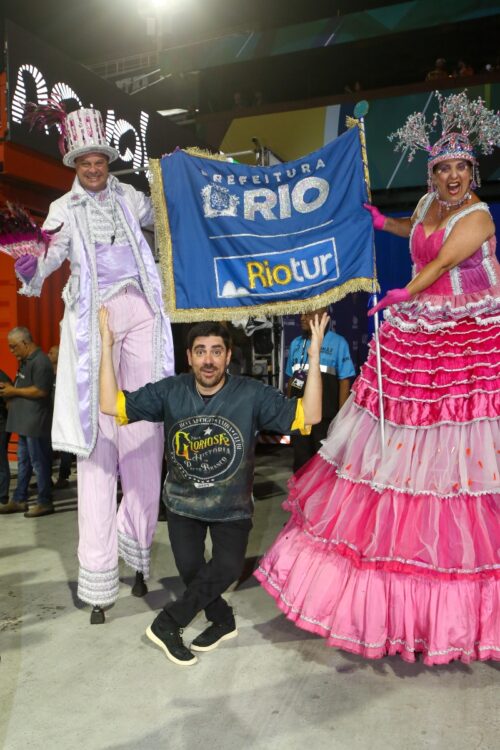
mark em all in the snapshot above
pixel 48 115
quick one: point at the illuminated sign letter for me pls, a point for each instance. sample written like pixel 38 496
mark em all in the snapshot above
pixel 121 128
pixel 19 96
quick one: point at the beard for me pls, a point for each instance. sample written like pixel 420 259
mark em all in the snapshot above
pixel 210 378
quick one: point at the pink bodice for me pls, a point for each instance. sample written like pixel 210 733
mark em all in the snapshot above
pixel 477 273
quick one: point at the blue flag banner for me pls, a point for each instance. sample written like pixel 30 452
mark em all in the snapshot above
pixel 238 240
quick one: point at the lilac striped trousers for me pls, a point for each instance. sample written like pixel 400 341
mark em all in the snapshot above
pixel 134 452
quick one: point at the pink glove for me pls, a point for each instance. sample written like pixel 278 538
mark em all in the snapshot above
pixel 392 297
pixel 378 219
pixel 26 266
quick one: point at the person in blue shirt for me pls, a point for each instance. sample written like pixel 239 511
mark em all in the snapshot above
pixel 336 371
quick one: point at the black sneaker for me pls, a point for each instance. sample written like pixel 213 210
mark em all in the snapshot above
pixel 213 635
pixel 170 641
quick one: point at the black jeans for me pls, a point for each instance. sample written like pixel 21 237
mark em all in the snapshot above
pixel 4 467
pixel 206 581
pixel 306 446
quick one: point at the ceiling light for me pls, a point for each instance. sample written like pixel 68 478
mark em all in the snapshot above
pixel 171 112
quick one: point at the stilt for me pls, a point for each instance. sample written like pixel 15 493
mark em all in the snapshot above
pixel 97 616
pixel 139 588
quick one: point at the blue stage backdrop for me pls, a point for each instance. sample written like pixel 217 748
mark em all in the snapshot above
pixel 237 240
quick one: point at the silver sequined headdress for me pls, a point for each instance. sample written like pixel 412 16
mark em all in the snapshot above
pixel 467 127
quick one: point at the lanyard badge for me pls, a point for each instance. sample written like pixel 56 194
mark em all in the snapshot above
pixel 300 375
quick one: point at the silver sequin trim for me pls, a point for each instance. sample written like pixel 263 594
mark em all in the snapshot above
pixel 464 212
pixel 488 266
pixel 487 302
pixel 94 337
pixel 134 555
pixel 456 280
pixel 98 588
pixel 422 325
pixel 105 222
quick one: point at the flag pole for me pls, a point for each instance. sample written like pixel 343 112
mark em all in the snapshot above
pixel 360 110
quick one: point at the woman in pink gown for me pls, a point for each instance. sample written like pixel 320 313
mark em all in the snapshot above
pixel 395 548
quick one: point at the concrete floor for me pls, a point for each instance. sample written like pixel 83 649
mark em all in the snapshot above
pixel 65 684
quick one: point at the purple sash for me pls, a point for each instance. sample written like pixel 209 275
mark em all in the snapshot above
pixel 115 263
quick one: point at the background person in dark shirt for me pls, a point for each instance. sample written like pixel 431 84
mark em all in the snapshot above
pixel 4 445
pixel 30 416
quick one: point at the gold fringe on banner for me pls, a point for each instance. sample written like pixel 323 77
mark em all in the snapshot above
pixel 194 315
pixel 272 308
pixel 204 153
pixel 163 236
pixel 162 227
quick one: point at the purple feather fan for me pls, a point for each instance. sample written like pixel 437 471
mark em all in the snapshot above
pixel 19 235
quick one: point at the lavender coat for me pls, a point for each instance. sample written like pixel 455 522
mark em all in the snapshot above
pixel 76 407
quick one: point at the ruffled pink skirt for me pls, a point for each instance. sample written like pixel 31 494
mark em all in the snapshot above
pixel 395 548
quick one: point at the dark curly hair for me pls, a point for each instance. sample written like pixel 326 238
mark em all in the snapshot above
pixel 208 328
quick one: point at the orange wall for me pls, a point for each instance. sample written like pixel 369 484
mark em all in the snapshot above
pixel 33 180
pixel 8 312
pixel 41 315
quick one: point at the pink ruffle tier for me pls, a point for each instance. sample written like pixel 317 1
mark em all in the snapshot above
pixel 452 538
pixel 375 612
pixel 395 548
pixel 444 462
pixel 433 377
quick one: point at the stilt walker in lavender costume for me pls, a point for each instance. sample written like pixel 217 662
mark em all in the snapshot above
pixel 97 226
pixel 394 543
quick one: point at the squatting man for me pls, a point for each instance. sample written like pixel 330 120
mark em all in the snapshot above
pixel 210 420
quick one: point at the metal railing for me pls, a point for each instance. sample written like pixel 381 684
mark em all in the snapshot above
pixel 125 65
